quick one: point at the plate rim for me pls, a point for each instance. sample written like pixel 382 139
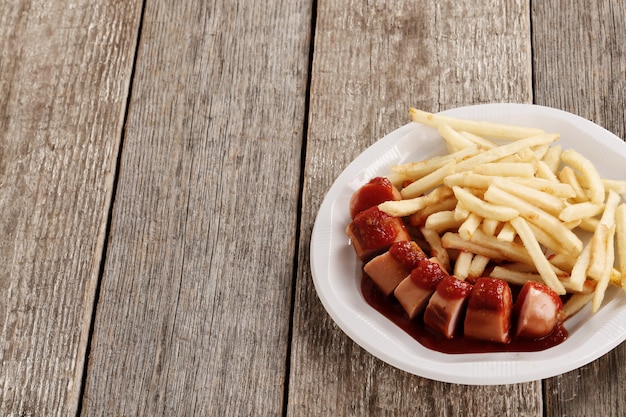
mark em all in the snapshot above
pixel 536 367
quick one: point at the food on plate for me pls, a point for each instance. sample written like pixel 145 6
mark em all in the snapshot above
pixel 538 310
pixel 415 290
pixel 489 308
pixel 446 306
pixel 376 191
pixel 390 268
pixel 373 231
pixel 503 238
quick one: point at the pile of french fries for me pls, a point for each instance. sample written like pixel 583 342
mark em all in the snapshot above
pixel 509 200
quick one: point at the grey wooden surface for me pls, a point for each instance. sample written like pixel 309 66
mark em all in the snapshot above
pixel 162 164
pixel 65 73
pixel 581 68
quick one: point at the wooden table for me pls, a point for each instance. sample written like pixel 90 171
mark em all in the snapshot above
pixel 162 164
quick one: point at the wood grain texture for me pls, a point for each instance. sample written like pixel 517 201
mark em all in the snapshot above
pixel 206 304
pixel 64 74
pixel 372 61
pixel 582 69
pixel 194 309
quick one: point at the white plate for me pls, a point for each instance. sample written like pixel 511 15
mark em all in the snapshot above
pixel 337 272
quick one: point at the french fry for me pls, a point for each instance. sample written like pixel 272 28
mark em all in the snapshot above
pixel 557 189
pixel 552 157
pixel 478 265
pixel 402 208
pixel 479 141
pixel 563 261
pixel 599 248
pixel 540 152
pixel 598 295
pixel 610 209
pixel 580 211
pixel 544 267
pixel 569 241
pixel 513 276
pixel 616 185
pixel 461 212
pixel 516 277
pixel 576 303
pixel 499 152
pixel 397 179
pixel 462 265
pixel 486 129
pixel 568 176
pixel 546 239
pixel 620 221
pixel 506 250
pixel 589 173
pixel 469 180
pixel 578 274
pixel 507 233
pixel 544 171
pixel 573 224
pixel 451 240
pixel 419 169
pixel 428 182
pixel 598 253
pixel 437 250
pixel 589 286
pixel 447 204
pixel 442 221
pixel 455 141
pixel 489 226
pixel 480 262
pixel 589 224
pixel 482 208
pixel 525 155
pixel 469 226
pixel 544 200
pixel 506 169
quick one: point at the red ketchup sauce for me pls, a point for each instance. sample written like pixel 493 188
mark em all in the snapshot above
pixel 407 253
pixel 376 191
pixel 375 227
pixel 391 308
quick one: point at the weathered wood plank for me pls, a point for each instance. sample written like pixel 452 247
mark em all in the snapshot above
pixel 372 61
pixel 64 71
pixel 581 68
pixel 194 309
